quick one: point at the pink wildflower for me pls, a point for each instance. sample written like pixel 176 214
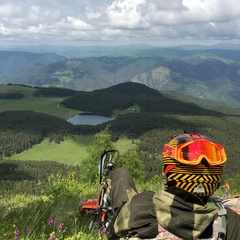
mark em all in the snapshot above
pixel 51 221
pixel 61 227
pixel 17 234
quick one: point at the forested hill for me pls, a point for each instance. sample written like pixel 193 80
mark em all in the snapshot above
pixel 126 95
pixel 131 89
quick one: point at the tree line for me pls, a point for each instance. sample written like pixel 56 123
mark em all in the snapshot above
pixel 29 177
pixel 11 95
pixel 21 130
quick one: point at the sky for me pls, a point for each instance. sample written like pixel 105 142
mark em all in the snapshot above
pixel 114 22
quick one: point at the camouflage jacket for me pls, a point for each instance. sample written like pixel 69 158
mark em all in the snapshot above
pixel 164 215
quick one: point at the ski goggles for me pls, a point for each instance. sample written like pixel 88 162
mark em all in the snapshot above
pixel 192 153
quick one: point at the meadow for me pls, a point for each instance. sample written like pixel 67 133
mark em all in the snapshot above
pixel 42 104
pixel 47 105
pixel 70 151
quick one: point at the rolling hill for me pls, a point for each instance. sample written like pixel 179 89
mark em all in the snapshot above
pixel 125 95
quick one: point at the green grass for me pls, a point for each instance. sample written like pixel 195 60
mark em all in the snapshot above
pixel 70 151
pixel 134 109
pixel 26 91
pixel 125 144
pixel 47 105
pixel 30 215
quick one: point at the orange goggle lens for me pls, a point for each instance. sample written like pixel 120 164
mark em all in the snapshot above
pixel 192 153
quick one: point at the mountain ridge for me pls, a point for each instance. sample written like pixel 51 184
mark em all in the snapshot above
pixel 212 74
pixel 14 61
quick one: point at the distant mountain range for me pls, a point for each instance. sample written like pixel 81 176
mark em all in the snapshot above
pixel 12 62
pixel 209 74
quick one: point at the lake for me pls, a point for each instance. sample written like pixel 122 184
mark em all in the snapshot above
pixel 90 119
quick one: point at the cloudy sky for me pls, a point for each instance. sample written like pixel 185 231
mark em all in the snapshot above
pixel 79 22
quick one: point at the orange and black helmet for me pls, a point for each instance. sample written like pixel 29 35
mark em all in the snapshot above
pixel 194 163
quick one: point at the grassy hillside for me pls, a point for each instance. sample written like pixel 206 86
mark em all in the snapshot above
pixel 48 105
pixel 70 151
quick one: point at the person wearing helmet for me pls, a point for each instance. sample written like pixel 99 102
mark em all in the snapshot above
pixel 192 167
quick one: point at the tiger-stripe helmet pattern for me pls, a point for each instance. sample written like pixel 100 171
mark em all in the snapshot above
pixel 194 163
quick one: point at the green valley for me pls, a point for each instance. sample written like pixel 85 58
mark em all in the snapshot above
pixel 47 165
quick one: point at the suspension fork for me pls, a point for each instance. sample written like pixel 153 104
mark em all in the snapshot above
pixel 103 203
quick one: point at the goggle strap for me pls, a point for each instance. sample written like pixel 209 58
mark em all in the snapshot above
pixel 195 136
pixel 169 168
pixel 198 137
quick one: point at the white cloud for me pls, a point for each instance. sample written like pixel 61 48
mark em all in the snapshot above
pixel 212 24
pixel 143 20
pixel 126 14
